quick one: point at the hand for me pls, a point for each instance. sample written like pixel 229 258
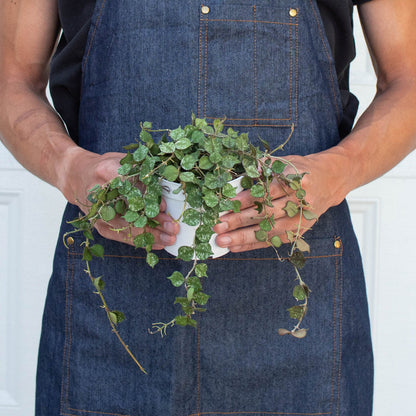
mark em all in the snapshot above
pixel 83 170
pixel 237 230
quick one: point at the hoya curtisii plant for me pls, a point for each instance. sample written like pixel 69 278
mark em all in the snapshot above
pixel 202 159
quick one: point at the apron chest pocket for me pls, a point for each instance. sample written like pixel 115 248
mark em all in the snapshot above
pixel 248 63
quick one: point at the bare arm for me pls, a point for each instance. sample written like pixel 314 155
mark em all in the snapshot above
pixel 382 137
pixel 29 126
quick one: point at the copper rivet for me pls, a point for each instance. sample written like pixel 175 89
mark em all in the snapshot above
pixel 337 244
pixel 293 12
pixel 70 241
pixel 204 9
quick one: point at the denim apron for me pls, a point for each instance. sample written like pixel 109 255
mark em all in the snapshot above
pixel 266 65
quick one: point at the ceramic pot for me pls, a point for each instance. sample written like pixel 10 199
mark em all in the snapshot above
pixel 175 206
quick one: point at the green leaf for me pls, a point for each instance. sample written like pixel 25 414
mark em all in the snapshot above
pixel 152 210
pixel 124 169
pixel 140 222
pixel 99 283
pixel 120 207
pixel 88 234
pixel 136 203
pixel 276 241
pixel 201 270
pixel 210 198
pixel 107 213
pixel 278 166
pixel 203 251
pixel 140 153
pixel 261 235
pixel 189 161
pixel 152 259
pixel 147 125
pixel 299 293
pixel 168 147
pixel 170 173
pixel 291 209
pixel 218 126
pixel 190 293
pixel 116 317
pixel 97 250
pixel 297 259
pixel 296 312
pixel 257 191
pixel 183 143
pixel 205 163
pixel 246 182
pixel 87 256
pixel 226 205
pixel 215 157
pixel 187 177
pixel 131 216
pixel 177 133
pixel 204 233
pixel 252 171
pixel 186 253
pixel 177 279
pixel 182 301
pixel 300 194
pixel 265 225
pixel 236 206
pixel 146 137
pixel 302 245
pixel 309 215
pixel 131 146
pixel 111 195
pixel 143 240
pixel 229 161
pixel 181 320
pixel 201 298
pixel 191 217
pixel 229 191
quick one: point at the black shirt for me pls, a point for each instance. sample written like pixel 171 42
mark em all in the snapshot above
pixel 75 18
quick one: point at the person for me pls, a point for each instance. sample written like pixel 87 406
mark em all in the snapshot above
pixel 268 67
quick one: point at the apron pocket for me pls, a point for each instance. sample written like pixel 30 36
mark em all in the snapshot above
pixel 248 63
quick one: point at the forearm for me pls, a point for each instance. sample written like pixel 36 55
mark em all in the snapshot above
pixel 34 133
pixel 382 137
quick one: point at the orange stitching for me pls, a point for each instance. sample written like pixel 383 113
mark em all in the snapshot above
pixel 334 333
pixel 69 330
pixel 329 59
pixel 200 64
pixel 255 66
pixel 340 331
pixel 206 67
pixel 197 363
pixel 297 73
pixel 249 119
pixel 98 413
pixel 291 73
pixel 65 331
pixel 252 21
pixel 93 35
pixel 258 413
pixel 216 259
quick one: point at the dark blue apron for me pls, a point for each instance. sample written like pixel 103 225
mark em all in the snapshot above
pixel 266 66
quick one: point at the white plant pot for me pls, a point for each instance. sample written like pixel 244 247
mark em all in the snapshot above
pixel 175 208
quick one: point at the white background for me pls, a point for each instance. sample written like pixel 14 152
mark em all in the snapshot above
pixel 30 212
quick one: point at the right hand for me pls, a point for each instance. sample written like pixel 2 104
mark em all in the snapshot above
pixel 83 170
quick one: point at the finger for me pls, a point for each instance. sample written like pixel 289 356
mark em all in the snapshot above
pixel 244 239
pixel 250 216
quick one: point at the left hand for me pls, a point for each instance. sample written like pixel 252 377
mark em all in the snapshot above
pixel 323 188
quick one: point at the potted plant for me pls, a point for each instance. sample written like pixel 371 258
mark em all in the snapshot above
pixel 196 163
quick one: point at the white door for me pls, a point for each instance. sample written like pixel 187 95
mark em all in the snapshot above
pixel 30 212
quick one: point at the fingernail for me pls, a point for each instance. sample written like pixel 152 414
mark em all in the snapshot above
pixel 170 227
pixel 223 241
pixel 221 227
